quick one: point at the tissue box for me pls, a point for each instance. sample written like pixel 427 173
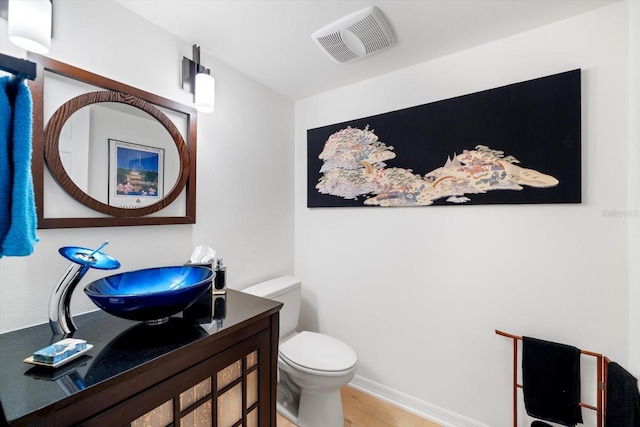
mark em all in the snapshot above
pixel 59 351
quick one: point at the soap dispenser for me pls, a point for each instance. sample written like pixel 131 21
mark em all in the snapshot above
pixel 219 282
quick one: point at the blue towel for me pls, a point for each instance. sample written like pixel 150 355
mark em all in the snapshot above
pixel 6 115
pixel 18 215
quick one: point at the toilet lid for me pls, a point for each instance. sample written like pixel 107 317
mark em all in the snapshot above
pixel 318 352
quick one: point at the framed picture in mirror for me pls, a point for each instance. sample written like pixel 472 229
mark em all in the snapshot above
pixel 136 174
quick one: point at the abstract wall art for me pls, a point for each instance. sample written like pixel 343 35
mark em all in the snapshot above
pixel 519 143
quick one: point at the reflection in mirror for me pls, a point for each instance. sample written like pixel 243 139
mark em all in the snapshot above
pixel 130 202
pixel 118 154
pixel 125 156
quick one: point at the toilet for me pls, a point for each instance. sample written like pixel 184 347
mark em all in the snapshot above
pixel 311 366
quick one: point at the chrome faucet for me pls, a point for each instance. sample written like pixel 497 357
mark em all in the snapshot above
pixel 82 260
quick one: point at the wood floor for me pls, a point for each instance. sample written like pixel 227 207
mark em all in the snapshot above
pixel 362 410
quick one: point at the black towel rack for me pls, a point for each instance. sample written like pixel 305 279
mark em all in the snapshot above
pixel 19 67
pixel 601 384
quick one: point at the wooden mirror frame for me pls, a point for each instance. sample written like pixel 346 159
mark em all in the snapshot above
pixel 45 146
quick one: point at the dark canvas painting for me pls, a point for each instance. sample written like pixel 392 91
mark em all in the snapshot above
pixel 514 144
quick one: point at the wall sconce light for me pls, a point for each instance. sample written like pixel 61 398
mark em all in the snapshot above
pixel 199 81
pixel 30 24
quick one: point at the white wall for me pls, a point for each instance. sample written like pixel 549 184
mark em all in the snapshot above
pixel 245 165
pixel 634 184
pixel 418 292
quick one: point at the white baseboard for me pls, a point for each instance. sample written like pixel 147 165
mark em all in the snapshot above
pixel 419 407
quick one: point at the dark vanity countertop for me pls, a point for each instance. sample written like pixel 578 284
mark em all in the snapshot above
pixel 119 346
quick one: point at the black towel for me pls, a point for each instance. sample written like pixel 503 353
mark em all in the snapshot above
pixel 551 381
pixel 540 424
pixel 623 399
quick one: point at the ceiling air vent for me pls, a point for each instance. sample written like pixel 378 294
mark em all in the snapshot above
pixel 355 36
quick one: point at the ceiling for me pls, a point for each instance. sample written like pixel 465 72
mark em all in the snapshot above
pixel 270 40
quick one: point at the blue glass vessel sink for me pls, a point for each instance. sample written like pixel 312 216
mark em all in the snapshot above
pixel 150 295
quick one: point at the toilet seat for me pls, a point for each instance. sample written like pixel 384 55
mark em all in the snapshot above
pixel 318 354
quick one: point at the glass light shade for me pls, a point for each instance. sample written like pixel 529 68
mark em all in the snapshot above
pixel 205 93
pixel 30 24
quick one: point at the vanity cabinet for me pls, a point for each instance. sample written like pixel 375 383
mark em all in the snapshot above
pixel 223 388
pixel 183 373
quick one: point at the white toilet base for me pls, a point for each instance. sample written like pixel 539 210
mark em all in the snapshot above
pixel 287 403
pixel 320 409
pixel 309 408
pixel 286 411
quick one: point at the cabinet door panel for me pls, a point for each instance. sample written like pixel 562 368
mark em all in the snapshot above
pixel 230 406
pixel 195 393
pixel 223 388
pixel 162 416
pixel 202 416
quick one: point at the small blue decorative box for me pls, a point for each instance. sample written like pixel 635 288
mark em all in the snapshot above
pixel 59 351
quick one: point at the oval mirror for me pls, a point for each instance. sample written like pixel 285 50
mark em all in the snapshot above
pixel 117 177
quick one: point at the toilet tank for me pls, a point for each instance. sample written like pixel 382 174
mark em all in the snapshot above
pixel 287 290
